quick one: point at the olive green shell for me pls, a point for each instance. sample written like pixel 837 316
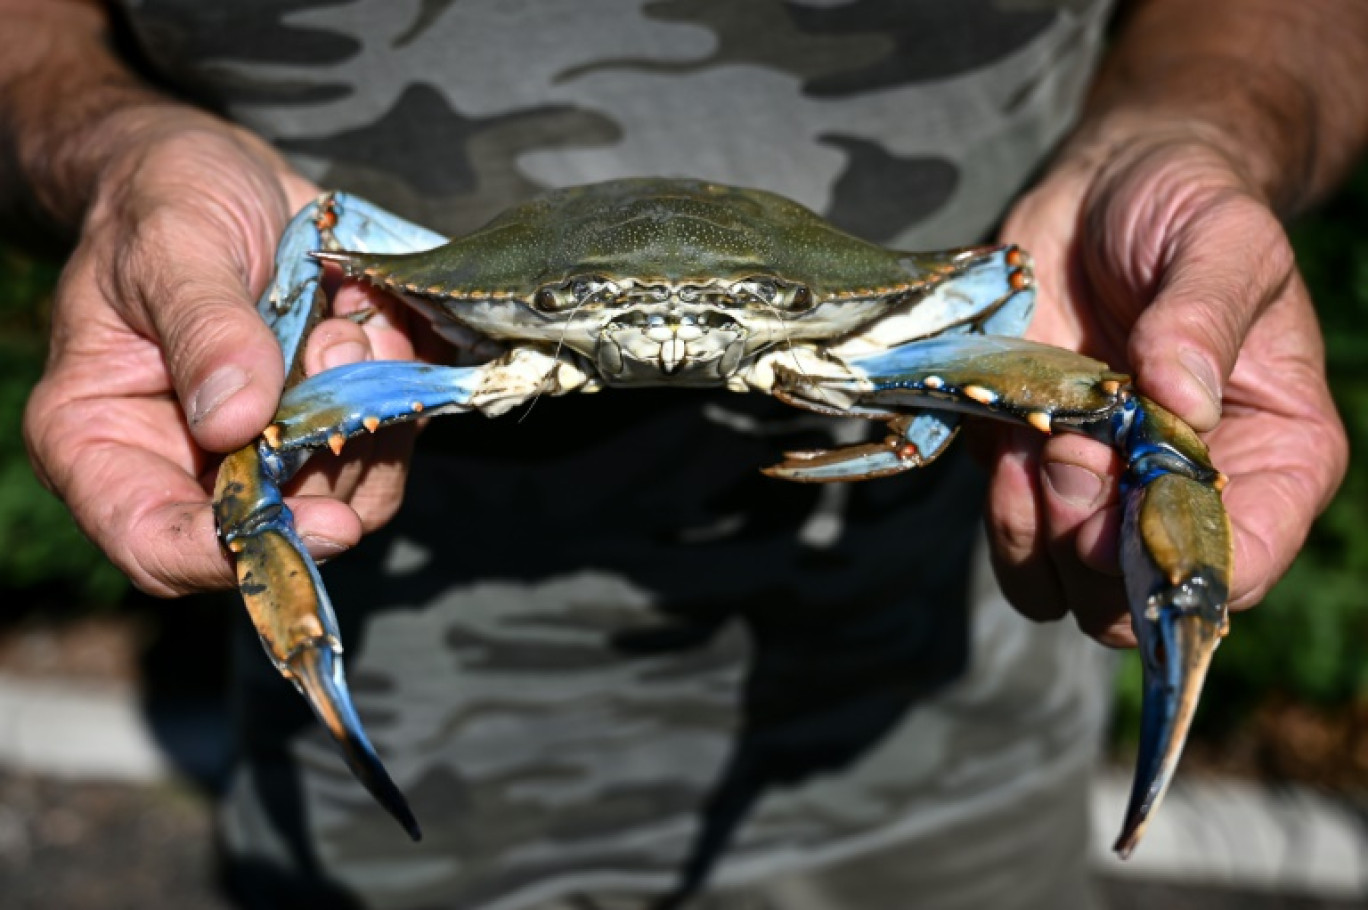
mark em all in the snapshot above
pixel 647 229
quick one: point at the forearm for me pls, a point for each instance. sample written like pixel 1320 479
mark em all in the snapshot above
pixel 1278 86
pixel 67 102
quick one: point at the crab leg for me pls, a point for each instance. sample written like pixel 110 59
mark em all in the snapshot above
pixel 983 290
pixel 278 579
pixel 293 303
pixel 291 611
pixel 1175 542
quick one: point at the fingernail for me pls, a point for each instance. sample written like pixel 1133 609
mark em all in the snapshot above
pixel 343 353
pixel 322 548
pixel 222 384
pixel 1199 368
pixel 1074 484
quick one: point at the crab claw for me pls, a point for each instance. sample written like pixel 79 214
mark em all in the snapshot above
pixel 315 667
pixel 1175 556
pixel 289 606
pixel 1176 648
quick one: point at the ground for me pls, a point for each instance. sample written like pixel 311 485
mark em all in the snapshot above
pixel 95 845
pixel 102 846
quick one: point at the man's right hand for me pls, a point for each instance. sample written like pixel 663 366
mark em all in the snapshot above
pixel 159 359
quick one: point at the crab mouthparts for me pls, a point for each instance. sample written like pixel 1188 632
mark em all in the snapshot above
pixel 671 348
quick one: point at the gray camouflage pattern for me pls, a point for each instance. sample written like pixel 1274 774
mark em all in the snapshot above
pixel 448 112
pixel 605 658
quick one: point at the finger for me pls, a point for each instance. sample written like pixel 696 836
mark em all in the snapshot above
pixel 378 491
pixel 1274 491
pixel 1281 442
pixel 388 323
pixel 335 343
pixel 128 476
pixel 1017 539
pixel 1228 262
pixel 1081 512
pixel 371 473
pixel 177 550
pixel 223 360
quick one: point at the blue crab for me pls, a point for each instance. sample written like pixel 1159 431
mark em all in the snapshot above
pixel 678 282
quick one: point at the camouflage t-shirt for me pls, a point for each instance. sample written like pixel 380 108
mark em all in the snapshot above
pixel 603 656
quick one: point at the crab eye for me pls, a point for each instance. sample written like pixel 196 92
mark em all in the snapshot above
pixel 756 290
pixel 801 300
pixel 590 289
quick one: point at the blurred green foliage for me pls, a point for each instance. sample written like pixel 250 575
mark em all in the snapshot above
pixel 39 544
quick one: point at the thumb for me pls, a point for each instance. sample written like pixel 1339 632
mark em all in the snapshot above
pixel 1223 267
pixel 224 362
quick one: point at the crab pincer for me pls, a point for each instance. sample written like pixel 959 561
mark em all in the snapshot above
pixel 1176 554
pixel 1176 549
pixel 277 578
pixel 289 606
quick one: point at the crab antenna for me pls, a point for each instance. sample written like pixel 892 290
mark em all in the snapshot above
pixel 788 343
pixel 560 346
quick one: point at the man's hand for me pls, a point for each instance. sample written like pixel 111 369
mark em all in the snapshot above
pixel 159 358
pixel 1158 249
pixel 1165 263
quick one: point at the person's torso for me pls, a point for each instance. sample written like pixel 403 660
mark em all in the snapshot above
pixel 597 645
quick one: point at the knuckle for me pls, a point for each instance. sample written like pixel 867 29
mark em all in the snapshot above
pixel 379 497
pixel 178 280
pixel 1113 631
pixel 1264 252
pixel 1015 534
pixel 1328 441
pixel 52 436
pixel 156 551
pixel 375 515
pixel 42 403
pixel 136 269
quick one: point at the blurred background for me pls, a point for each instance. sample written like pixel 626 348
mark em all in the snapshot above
pixel 113 722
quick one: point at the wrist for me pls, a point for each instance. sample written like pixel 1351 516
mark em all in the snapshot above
pixel 57 88
pixel 73 165
pixel 1274 86
pixel 142 158
pixel 1105 147
pixel 73 115
pixel 1279 180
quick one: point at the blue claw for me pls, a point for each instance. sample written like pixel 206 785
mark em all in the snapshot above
pixel 278 580
pixel 1176 540
pixel 1176 558
pixel 1176 646
pixel 284 595
pixel 316 670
